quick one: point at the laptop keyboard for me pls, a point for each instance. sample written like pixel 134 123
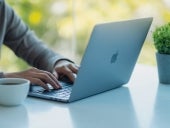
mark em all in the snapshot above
pixel 63 93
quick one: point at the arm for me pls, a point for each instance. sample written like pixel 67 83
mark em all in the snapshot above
pixel 25 44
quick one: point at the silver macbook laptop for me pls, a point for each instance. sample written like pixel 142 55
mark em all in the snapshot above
pixel 107 63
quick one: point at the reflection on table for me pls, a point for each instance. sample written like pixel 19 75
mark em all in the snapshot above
pixel 13 117
pixel 142 103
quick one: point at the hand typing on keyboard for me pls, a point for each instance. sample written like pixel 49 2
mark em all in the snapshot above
pixel 65 71
pixel 66 79
pixel 43 78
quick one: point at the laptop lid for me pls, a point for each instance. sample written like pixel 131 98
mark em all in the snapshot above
pixel 110 56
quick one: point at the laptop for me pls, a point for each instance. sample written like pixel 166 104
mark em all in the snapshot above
pixel 107 63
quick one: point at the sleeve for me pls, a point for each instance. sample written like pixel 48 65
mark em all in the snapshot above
pixel 1 75
pixel 26 44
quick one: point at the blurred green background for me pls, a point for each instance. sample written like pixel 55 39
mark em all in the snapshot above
pixel 65 25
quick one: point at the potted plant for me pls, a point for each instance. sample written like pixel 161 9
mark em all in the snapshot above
pixel 161 37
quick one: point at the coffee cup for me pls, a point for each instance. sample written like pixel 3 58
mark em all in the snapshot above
pixel 13 91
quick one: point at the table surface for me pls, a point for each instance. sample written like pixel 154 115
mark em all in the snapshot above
pixel 142 103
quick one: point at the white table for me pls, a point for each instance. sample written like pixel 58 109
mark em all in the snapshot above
pixel 142 103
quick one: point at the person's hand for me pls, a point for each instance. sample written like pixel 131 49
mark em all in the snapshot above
pixel 64 68
pixel 37 77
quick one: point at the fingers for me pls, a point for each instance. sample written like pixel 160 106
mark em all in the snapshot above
pixel 68 70
pixel 38 77
pixel 73 68
pixel 39 82
pixel 46 77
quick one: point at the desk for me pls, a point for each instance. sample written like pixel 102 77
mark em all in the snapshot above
pixel 142 103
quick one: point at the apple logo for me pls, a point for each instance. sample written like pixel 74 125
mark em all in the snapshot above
pixel 114 57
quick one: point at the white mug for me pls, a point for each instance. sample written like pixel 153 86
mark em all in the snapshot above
pixel 13 91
